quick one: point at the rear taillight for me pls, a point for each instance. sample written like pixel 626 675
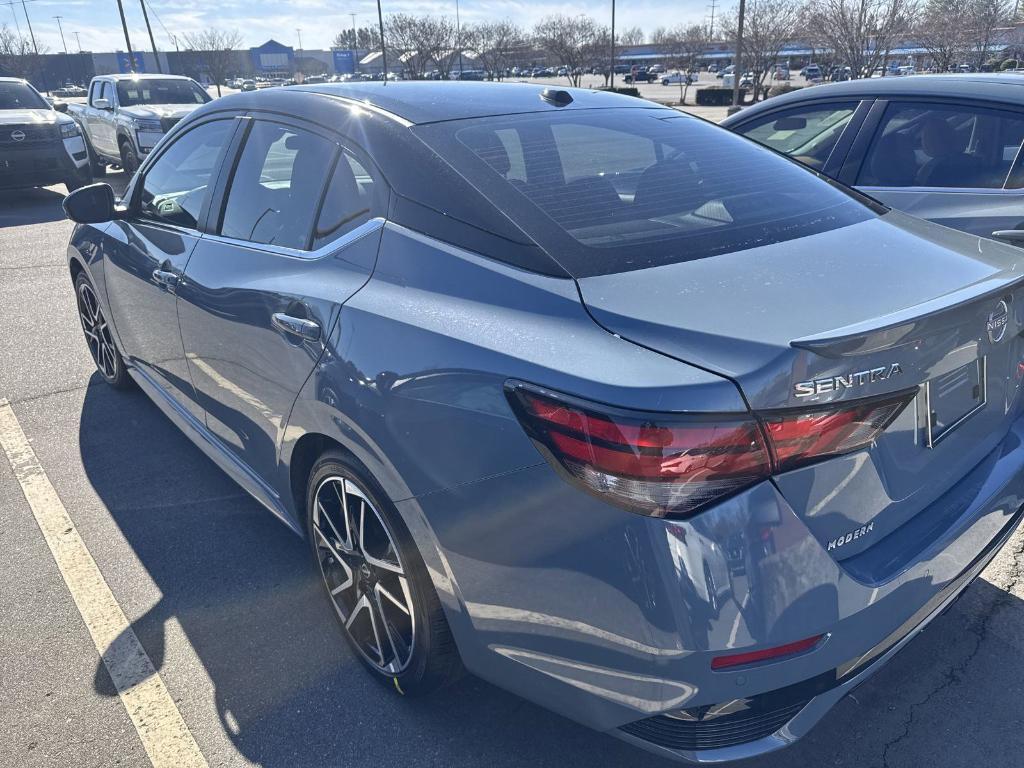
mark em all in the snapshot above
pixel 675 464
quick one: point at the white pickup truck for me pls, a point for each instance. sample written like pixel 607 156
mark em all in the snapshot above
pixel 126 115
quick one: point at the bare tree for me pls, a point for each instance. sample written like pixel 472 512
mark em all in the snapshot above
pixel 860 33
pixel 365 38
pixel 17 56
pixel 401 34
pixel 421 40
pixel 215 52
pixel 690 44
pixel 496 43
pixel 570 39
pixel 944 31
pixel 662 36
pixel 986 17
pixel 768 25
pixel 631 36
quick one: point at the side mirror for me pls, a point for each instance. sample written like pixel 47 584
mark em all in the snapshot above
pixel 790 124
pixel 101 103
pixel 60 106
pixel 93 204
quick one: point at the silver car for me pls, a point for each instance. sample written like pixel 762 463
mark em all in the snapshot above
pixel 942 147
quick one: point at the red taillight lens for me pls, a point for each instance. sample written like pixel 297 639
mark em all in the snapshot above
pixel 661 464
pixel 802 436
pixel 650 463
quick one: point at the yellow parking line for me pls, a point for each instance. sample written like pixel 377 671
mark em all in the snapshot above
pixel 165 737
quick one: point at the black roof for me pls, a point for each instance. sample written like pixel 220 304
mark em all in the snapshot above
pixel 426 101
pixel 1003 87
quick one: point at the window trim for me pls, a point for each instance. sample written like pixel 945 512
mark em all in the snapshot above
pixel 870 132
pixel 136 217
pixel 328 249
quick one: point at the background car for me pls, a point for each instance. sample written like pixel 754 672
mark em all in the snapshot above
pixel 942 147
pixel 39 145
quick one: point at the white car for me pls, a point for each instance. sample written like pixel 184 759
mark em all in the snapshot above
pixel 676 77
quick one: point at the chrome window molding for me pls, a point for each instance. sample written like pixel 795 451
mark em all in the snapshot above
pixel 327 249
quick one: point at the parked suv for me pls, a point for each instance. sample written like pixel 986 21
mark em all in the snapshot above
pixel 126 115
pixel 39 146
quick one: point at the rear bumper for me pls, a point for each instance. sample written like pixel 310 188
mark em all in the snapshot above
pixel 612 619
pixel 41 166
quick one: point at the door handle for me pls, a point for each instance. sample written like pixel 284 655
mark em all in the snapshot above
pixel 1015 235
pixel 296 326
pixel 165 277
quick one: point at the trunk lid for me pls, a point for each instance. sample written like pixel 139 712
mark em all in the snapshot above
pixel 884 306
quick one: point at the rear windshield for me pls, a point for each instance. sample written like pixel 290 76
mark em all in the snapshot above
pixel 133 92
pixel 613 190
pixel 20 96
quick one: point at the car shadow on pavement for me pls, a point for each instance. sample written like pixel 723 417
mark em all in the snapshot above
pixel 19 207
pixel 289 692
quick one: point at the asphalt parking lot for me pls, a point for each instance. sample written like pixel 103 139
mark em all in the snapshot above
pixel 224 601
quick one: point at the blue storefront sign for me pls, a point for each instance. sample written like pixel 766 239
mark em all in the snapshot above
pixel 123 66
pixel 344 62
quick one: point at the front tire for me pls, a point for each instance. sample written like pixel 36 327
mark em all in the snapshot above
pixel 80 179
pixel 375 580
pixel 129 158
pixel 109 363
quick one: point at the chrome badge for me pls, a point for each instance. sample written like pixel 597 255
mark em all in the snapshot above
pixel 849 381
pixel 17 135
pixel 997 321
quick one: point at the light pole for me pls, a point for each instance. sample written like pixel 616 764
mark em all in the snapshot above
pixel 67 61
pixel 737 64
pixel 383 46
pixel 32 34
pixel 298 65
pixel 355 43
pixel 79 41
pixel 152 42
pixel 611 82
pixel 458 36
pixel 127 39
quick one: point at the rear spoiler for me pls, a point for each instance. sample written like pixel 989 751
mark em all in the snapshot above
pixel 898 327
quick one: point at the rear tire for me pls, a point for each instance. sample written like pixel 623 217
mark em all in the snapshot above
pixel 109 363
pixel 375 580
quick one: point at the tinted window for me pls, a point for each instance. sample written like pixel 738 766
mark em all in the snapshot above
pixel 20 96
pixel 808 134
pixel 613 190
pixel 176 184
pixel 349 201
pixel 146 91
pixel 921 145
pixel 276 188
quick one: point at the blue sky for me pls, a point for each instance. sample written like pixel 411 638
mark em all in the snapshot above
pixel 99 27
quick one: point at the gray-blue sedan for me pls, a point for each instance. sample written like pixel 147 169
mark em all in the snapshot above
pixel 608 405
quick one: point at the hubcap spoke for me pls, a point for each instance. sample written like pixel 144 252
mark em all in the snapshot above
pixel 364 574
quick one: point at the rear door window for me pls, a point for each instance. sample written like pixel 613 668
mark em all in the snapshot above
pixel 613 190
pixel 808 133
pixel 938 145
pixel 275 192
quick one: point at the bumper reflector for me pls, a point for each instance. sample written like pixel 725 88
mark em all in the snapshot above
pixel 765 654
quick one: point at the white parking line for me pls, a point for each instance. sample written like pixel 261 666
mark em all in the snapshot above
pixel 165 737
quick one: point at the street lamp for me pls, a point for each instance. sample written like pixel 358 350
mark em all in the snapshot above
pixel 67 61
pixel 298 64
